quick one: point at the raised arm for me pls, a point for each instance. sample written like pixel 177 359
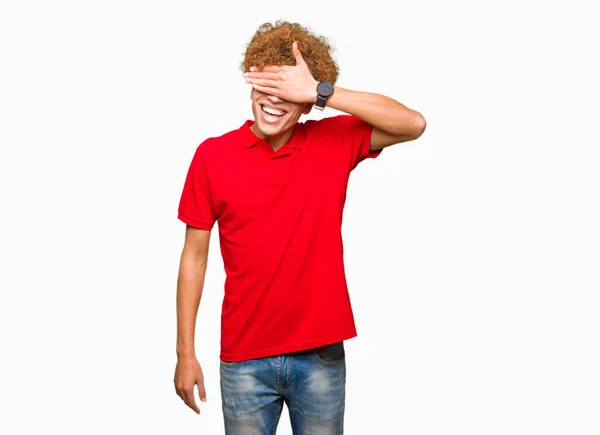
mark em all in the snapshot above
pixel 392 121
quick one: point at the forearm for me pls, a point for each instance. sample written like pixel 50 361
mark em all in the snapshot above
pixel 297 84
pixel 190 283
pixel 378 110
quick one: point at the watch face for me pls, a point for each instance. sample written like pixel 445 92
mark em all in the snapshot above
pixel 325 88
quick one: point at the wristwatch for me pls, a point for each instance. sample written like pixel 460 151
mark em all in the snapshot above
pixel 324 91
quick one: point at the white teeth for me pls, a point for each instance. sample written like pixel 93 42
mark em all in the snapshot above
pixel 273 111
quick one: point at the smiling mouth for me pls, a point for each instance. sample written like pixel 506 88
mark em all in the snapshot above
pixel 272 113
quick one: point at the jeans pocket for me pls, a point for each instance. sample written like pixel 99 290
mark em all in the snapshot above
pixel 228 364
pixel 330 354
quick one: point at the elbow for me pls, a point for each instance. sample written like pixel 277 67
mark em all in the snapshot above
pixel 411 128
pixel 419 125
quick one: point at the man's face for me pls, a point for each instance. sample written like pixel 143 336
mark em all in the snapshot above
pixel 284 115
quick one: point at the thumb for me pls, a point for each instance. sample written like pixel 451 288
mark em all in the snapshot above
pixel 297 54
pixel 201 391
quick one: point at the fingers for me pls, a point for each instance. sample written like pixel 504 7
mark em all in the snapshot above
pixel 178 389
pixel 187 395
pixel 201 391
pixel 188 398
pixel 265 83
pixel 267 68
pixel 268 75
pixel 297 54
pixel 267 90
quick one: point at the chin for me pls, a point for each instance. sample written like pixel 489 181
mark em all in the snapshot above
pixel 270 130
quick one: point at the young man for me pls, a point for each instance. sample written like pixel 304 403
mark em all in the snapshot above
pixel 277 188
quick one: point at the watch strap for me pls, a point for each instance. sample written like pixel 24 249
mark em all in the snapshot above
pixel 321 101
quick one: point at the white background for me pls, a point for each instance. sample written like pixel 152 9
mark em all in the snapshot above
pixel 472 253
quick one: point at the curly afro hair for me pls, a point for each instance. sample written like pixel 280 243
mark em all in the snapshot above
pixel 272 45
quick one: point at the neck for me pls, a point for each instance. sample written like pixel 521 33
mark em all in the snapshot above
pixel 276 141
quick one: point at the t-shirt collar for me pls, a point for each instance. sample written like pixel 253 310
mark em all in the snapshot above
pixel 249 139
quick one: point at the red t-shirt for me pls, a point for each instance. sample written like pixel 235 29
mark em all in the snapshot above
pixel 280 232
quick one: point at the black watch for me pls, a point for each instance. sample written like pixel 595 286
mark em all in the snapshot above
pixel 324 91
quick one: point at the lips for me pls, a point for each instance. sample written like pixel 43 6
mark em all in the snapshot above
pixel 272 110
pixel 272 115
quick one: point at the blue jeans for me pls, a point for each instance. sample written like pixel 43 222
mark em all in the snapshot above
pixel 312 384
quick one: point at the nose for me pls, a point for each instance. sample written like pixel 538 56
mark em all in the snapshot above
pixel 274 99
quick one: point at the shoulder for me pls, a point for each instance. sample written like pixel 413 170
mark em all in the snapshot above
pixel 218 146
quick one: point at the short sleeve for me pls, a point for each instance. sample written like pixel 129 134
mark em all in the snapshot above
pixel 196 207
pixel 355 137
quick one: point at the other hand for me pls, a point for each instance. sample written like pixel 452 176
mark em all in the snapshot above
pixel 187 374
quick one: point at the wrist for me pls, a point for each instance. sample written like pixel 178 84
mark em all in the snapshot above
pixel 186 354
pixel 325 90
pixel 313 93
